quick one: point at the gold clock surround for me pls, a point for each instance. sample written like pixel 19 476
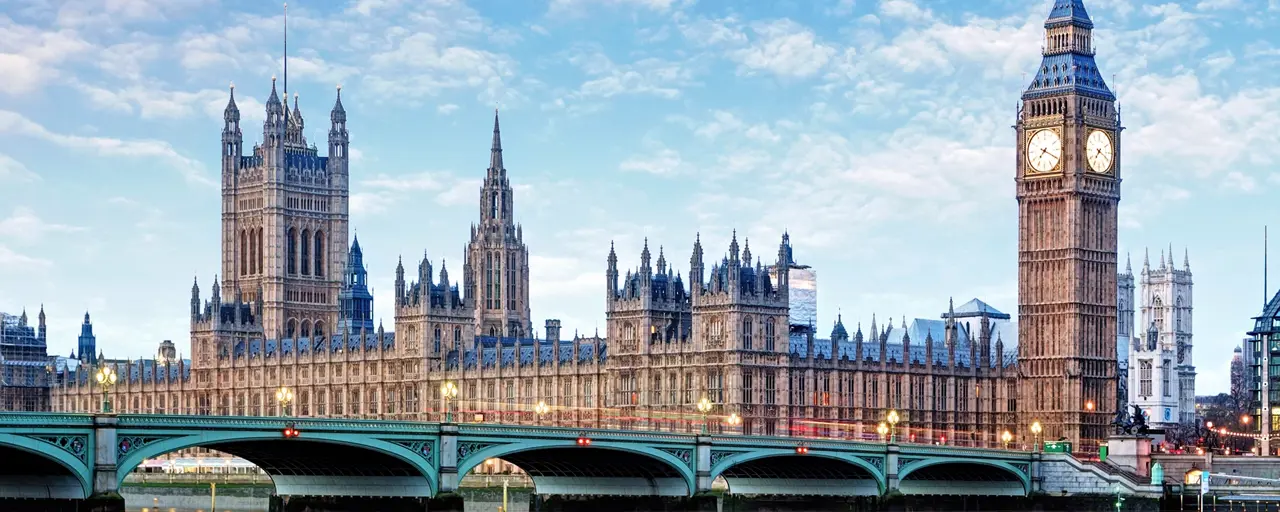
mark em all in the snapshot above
pixel 1044 151
pixel 1100 151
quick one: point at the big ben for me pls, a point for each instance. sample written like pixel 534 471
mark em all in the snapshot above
pixel 1068 189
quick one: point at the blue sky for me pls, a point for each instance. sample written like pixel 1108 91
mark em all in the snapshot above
pixel 876 132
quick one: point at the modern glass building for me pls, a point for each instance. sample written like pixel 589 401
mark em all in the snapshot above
pixel 1264 356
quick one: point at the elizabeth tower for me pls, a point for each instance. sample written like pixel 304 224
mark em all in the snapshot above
pixel 1068 182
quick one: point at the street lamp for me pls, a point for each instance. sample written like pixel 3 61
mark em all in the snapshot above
pixel 1035 431
pixel 284 396
pixel 893 425
pixel 704 407
pixel 106 377
pixel 883 430
pixel 540 409
pixel 1006 437
pixel 733 420
pixel 448 391
pixel 1088 406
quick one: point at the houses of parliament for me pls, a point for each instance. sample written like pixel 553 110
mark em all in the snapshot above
pixel 292 309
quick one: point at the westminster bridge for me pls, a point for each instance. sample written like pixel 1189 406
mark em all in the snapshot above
pixel 83 457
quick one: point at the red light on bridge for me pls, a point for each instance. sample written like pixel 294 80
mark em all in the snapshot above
pixel 290 432
pixel 802 450
pixel 584 441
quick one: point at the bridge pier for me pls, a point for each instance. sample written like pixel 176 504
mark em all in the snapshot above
pixel 891 452
pixel 449 478
pixel 106 487
pixel 702 468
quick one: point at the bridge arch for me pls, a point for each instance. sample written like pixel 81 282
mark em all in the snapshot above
pixel 962 476
pixel 817 473
pixel 314 464
pixel 560 466
pixel 51 472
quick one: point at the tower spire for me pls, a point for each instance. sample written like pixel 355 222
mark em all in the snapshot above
pixel 286 52
pixel 495 152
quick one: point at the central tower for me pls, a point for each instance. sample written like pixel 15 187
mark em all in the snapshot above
pixel 1068 189
pixel 497 266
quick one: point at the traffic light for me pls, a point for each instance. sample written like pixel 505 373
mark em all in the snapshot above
pixel 289 431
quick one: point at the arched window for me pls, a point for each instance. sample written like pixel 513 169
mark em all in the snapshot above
pixel 260 259
pixel 292 250
pixel 488 280
pixel 318 330
pixel 319 268
pixel 291 329
pixel 628 332
pixel 497 280
pixel 493 332
pixel 746 333
pixel 436 349
pixel 770 335
pixel 1177 315
pixel 457 337
pixel 306 252
pixel 1157 313
pixel 306 328
pixel 242 264
pixel 511 281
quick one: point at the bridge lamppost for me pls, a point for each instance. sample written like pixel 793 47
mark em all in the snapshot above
pixel 1006 437
pixel 540 409
pixel 704 407
pixel 893 426
pixel 1035 431
pixel 733 420
pixel 883 430
pixel 284 396
pixel 106 377
pixel 448 391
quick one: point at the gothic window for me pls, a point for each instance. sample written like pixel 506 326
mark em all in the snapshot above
pixel 457 337
pixel 260 258
pixel 497 281
pixel 511 282
pixel 493 205
pixel 488 281
pixel 770 388
pixel 306 252
pixel 770 335
pixel 1164 378
pixel 242 264
pixel 354 402
pixel 436 345
pixel 1177 315
pixel 253 251
pixel 493 331
pixel 291 329
pixel 318 330
pixel 746 333
pixel 319 267
pixel 306 329
pixel 1157 313
pixel 1144 378
pixel 292 250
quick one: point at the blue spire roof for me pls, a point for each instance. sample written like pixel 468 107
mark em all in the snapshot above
pixel 1065 11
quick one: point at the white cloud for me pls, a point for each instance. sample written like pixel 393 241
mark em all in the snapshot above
pixel 30 56
pixel 25 225
pixel 446 109
pixel 14 171
pixel 664 162
pixel 650 76
pixel 422 64
pixel 18 124
pixel 579 7
pixel 905 10
pixel 13 263
pixel 784 48
pixel 383 191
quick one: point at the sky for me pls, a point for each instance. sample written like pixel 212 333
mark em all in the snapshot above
pixel 877 132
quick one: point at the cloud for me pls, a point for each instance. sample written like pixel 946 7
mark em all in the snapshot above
pixel 13 263
pixel 25 225
pixel 784 48
pixel 13 171
pixel 30 57
pixel 575 8
pixel 1149 202
pixel 17 124
pixel 421 64
pixel 664 162
pixel 446 109
pixel 381 192
pixel 649 76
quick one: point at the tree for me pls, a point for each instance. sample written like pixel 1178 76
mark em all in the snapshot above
pixel 1241 385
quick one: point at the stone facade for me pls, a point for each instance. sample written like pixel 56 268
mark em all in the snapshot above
pixel 1068 188
pixel 25 366
pixel 1162 374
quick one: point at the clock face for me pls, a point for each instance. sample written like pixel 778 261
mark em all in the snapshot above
pixel 1044 150
pixel 1099 151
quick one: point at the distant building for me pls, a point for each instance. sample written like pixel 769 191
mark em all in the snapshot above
pixel 87 343
pixel 1161 371
pixel 25 366
pixel 1124 335
pixel 1263 346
